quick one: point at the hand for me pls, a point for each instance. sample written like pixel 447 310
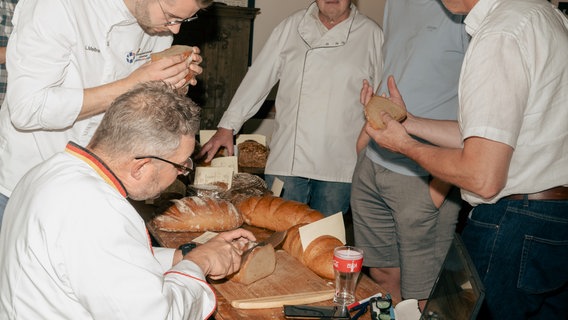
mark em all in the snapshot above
pixel 222 138
pixel 393 137
pixel 173 70
pixel 366 93
pixel 221 256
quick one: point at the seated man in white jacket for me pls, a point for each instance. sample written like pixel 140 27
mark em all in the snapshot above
pixel 73 247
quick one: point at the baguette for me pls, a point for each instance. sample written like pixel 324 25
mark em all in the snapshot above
pixel 274 213
pixel 376 105
pixel 194 214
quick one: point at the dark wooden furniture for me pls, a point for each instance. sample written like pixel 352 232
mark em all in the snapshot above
pixel 224 35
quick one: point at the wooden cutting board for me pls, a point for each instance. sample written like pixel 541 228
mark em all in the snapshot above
pixel 291 277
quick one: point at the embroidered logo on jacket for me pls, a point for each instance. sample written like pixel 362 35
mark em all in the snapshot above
pixel 135 56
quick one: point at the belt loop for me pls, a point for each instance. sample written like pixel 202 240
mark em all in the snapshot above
pixel 525 200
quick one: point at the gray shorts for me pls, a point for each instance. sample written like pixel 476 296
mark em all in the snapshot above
pixel 397 224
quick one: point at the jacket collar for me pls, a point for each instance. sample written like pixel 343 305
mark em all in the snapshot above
pixel 335 37
pixel 97 164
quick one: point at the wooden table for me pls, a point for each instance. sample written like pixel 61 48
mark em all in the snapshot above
pixel 365 287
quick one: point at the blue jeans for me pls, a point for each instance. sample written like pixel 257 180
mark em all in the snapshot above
pixel 324 196
pixel 520 249
pixel 3 202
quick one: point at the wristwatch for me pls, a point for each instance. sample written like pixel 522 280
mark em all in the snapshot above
pixel 186 248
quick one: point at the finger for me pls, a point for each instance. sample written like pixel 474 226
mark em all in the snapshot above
pixel 393 89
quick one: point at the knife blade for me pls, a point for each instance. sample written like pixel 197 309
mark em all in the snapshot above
pixel 275 239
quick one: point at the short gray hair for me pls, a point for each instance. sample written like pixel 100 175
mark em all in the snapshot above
pixel 149 119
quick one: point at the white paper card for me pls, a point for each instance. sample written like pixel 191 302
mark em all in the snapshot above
pixel 260 138
pixel 230 162
pixel 277 186
pixel 332 225
pixel 209 175
pixel 205 135
pixel 206 236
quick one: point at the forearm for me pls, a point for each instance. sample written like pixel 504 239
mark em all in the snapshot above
pixel 443 133
pixel 480 167
pixel 96 100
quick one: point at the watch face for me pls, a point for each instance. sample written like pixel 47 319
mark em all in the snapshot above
pixel 187 247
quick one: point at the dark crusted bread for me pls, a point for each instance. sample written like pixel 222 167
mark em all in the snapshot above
pixel 252 154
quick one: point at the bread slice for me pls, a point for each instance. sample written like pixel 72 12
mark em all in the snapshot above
pixel 172 51
pixel 177 49
pixel 376 105
pixel 258 264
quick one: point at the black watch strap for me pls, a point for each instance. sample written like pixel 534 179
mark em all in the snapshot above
pixel 187 247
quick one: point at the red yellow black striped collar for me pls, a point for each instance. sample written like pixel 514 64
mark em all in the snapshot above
pixel 100 167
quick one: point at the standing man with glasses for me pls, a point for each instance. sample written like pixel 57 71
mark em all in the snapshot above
pixel 68 59
pixel 75 247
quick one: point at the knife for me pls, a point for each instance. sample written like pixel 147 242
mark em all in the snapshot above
pixel 275 239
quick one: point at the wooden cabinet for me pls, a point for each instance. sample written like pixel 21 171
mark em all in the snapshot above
pixel 224 35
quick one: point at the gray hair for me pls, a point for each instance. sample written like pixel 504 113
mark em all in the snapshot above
pixel 149 119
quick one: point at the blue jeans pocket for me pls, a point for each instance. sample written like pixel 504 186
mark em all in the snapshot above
pixel 540 254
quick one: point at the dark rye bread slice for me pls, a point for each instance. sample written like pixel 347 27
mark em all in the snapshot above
pixel 376 105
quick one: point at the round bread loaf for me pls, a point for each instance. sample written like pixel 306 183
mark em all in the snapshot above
pixel 277 214
pixel 318 256
pixel 195 214
pixel 252 154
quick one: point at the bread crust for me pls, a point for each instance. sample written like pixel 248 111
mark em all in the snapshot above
pixel 274 213
pixel 195 214
pixel 378 104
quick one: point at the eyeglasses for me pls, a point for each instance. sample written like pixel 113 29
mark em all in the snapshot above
pixel 184 169
pixel 174 22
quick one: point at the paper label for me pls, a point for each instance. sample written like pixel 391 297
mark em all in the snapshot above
pixel 230 162
pixel 206 236
pixel 277 186
pixel 205 135
pixel 209 175
pixel 332 225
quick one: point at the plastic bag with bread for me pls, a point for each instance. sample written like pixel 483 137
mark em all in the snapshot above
pixel 378 104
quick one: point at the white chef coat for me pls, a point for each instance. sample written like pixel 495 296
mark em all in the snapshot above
pixel 525 103
pixel 57 49
pixel 72 247
pixel 318 113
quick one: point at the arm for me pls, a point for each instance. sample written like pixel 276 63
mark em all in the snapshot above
pixel 481 166
pixel 2 55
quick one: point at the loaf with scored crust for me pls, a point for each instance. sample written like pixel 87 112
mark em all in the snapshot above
pixel 274 213
pixel 195 214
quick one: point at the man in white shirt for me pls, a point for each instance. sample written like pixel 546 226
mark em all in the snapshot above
pixel 73 247
pixel 507 152
pixel 67 60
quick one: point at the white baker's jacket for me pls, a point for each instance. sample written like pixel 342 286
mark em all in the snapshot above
pixel 58 48
pixel 73 247
pixel 318 113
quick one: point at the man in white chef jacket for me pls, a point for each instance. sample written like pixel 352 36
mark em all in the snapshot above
pixel 73 247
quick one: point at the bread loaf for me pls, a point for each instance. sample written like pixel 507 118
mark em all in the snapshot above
pixel 194 214
pixel 275 213
pixel 252 154
pixel 376 105
pixel 318 256
pixel 186 51
pixel 293 244
pixel 258 264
